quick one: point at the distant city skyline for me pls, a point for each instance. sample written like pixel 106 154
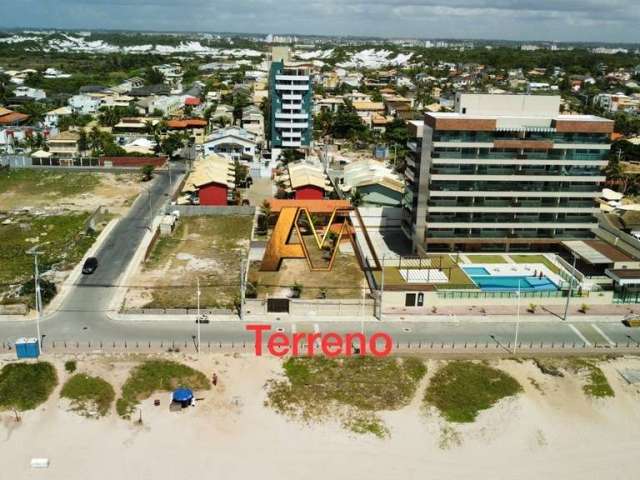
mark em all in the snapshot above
pixel 518 20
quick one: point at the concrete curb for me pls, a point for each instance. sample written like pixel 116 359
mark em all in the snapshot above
pixel 275 317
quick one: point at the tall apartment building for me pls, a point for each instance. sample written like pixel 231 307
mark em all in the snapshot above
pixel 291 102
pixel 503 172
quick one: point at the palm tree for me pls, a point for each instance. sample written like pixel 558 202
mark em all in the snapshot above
pixel 356 198
pixel 95 142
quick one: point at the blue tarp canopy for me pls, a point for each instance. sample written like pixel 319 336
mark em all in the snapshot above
pixel 182 395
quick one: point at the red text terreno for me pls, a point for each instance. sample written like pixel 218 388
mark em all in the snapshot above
pixel 330 344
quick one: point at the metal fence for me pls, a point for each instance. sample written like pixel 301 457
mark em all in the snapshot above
pixel 492 347
pixel 523 294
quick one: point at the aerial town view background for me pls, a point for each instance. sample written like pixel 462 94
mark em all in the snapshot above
pixel 349 256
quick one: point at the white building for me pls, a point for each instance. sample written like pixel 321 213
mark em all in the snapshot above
pixel 233 142
pixel 35 93
pixel 84 104
pixel 52 118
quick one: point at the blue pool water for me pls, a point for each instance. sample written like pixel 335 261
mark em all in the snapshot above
pixel 494 283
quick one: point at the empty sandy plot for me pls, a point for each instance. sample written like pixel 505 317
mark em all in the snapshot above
pixel 77 191
pixel 209 248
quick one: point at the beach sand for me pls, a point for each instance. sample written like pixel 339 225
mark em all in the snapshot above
pixel 551 430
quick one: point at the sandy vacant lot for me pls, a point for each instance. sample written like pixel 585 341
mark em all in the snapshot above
pixel 210 248
pixel 76 191
pixel 552 430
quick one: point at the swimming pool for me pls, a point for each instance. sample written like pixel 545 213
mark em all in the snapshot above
pixel 476 271
pixel 508 283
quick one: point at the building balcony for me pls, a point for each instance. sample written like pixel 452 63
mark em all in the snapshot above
pixel 286 134
pixel 292 116
pixel 291 88
pixel 292 96
pixel 291 125
pixel 524 177
pixel 291 143
pixel 292 106
pixel 292 78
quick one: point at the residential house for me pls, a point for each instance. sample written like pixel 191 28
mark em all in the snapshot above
pixel 377 183
pixel 195 127
pixel 253 121
pixel 307 181
pixel 52 118
pixel 212 180
pixel 172 74
pixel 64 146
pixel 167 105
pixel 223 113
pixel 10 118
pixel 330 104
pixel 34 93
pixel 84 104
pixel 129 129
pixel 232 142
pixel 366 110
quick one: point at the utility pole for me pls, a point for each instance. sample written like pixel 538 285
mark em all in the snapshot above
pixel 364 291
pixel 381 292
pixel 515 343
pixel 38 298
pixel 566 307
pixel 198 319
pixel 150 209
pixel 243 287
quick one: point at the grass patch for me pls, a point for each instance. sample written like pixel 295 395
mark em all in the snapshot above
pixel 486 259
pixel 350 389
pixel 536 259
pixel 461 389
pixel 46 183
pixel 60 239
pixel 596 384
pixel 24 386
pixel 157 375
pixel 87 393
pixel 366 423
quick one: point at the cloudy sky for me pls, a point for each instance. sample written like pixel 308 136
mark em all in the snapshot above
pixel 562 20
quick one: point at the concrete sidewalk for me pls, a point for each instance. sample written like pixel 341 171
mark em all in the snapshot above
pixel 275 317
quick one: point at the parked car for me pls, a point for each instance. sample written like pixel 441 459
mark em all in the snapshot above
pixel 90 265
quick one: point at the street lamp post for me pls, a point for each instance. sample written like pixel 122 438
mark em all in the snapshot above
pixel 198 319
pixel 364 291
pixel 515 342
pixel 37 293
pixel 381 287
pixel 38 299
pixel 566 307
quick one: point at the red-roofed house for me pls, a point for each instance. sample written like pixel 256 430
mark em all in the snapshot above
pixel 9 117
pixel 196 127
pixel 192 101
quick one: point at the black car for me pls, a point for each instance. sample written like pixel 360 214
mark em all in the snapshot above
pixel 90 265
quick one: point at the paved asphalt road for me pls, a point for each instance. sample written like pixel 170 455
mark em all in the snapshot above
pixel 83 315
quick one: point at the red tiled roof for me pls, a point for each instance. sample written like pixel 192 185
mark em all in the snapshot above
pixel 187 123
pixel 193 101
pixel 13 117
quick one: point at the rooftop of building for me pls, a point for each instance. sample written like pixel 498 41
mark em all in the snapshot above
pixel 211 169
